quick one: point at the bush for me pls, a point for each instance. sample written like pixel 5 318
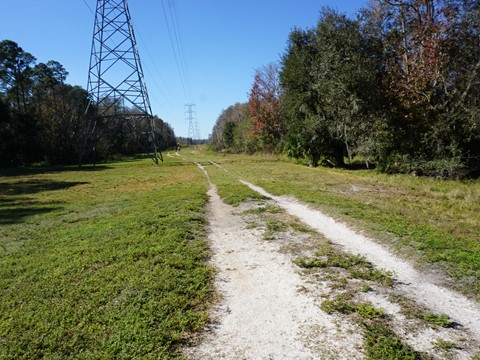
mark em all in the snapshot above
pixel 452 168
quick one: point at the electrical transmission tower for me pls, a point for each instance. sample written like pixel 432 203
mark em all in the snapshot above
pixel 193 132
pixel 119 99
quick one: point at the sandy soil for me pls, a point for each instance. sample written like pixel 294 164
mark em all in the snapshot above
pixel 269 309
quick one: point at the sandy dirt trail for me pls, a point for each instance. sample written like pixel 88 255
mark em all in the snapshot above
pixel 261 313
pixel 269 309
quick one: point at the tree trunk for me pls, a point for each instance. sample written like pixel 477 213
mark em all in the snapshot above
pixel 339 153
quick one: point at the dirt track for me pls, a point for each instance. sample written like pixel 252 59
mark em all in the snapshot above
pixel 269 309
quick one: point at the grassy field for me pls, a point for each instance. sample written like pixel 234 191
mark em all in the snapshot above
pixel 436 223
pixel 110 262
pixel 102 263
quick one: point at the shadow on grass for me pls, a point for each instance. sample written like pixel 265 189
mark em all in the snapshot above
pixel 9 216
pixel 33 187
pixel 14 207
pixel 22 171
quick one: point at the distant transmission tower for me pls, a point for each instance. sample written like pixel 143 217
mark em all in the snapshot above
pixel 116 85
pixel 191 117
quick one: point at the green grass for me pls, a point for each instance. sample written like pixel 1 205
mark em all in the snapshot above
pixel 434 221
pixel 357 266
pixel 368 311
pixel 341 303
pixel 441 320
pixel 229 188
pixel 380 341
pixel 344 304
pixel 102 263
pixel 444 345
pixel 382 344
pixel 275 225
pixel 272 209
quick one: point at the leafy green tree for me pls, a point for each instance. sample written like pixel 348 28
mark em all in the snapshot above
pixel 59 111
pixel 232 128
pixel 305 134
pixel 399 87
pixel 229 133
pixel 15 90
pixel 330 77
pixel 15 74
pixel 165 134
pixel 44 119
pixel 7 156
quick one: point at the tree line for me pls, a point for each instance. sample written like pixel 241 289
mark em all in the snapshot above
pixel 396 88
pixel 43 119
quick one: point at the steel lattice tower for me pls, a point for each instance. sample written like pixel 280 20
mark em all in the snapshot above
pixel 191 113
pixel 116 83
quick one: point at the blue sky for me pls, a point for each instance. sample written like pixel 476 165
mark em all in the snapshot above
pixel 223 42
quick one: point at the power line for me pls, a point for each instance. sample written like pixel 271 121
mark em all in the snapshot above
pixel 158 73
pixel 152 95
pixel 89 8
pixel 179 62
pixel 179 41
